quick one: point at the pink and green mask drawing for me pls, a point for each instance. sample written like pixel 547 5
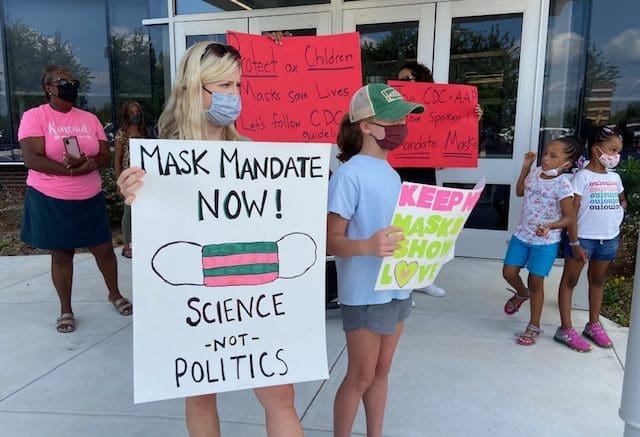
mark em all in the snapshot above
pixel 235 263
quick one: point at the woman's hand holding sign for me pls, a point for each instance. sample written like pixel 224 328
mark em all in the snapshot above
pixel 129 182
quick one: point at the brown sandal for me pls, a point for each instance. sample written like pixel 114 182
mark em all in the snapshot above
pixel 65 323
pixel 123 306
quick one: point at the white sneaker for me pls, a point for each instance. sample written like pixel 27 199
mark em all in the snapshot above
pixel 432 290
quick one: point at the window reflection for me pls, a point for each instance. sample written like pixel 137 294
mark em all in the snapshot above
pixel 160 70
pixel 220 38
pixel 592 70
pixel 8 152
pixel 385 47
pixel 485 51
pixel 156 9
pixel 564 69
pixel 612 88
pixel 492 210
pixel 38 35
pixel 203 6
pixel 295 32
pixel 140 61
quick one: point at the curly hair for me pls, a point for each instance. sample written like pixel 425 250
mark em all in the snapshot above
pixel 420 72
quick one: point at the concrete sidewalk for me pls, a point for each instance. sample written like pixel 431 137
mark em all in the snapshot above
pixel 457 372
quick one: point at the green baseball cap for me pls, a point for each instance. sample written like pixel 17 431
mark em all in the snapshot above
pixel 382 102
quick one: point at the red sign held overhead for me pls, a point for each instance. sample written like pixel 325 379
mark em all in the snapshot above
pixel 297 91
pixel 446 134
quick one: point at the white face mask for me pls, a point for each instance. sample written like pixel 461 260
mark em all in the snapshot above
pixel 553 172
pixel 609 161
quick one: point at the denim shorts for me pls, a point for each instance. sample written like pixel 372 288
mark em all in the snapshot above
pixel 600 250
pixel 537 258
pixel 380 318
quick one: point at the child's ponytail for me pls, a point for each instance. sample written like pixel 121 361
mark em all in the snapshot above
pixel 349 139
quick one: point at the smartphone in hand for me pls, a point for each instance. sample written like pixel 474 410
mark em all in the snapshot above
pixel 71 147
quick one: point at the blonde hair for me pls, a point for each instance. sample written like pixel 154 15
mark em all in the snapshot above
pixel 183 117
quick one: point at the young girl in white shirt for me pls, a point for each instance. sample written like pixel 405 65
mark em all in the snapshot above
pixel 599 205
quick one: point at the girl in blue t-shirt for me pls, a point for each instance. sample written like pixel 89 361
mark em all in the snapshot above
pixel 546 210
pixel 362 196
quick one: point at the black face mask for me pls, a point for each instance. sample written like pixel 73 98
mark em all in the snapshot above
pixel 68 91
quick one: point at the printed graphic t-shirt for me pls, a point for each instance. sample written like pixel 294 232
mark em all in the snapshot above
pixel 541 206
pixel 364 190
pixel 600 213
pixel 43 121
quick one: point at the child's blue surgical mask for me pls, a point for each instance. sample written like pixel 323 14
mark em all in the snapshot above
pixel 224 109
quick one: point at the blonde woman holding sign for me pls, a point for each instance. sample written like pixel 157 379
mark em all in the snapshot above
pixel 204 104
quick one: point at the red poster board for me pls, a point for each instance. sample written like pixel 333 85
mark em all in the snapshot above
pixel 446 134
pixel 297 91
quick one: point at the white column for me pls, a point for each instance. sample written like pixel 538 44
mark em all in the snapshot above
pixel 630 403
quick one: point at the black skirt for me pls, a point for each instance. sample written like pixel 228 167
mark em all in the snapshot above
pixel 56 224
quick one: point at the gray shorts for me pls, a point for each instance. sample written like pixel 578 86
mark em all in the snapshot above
pixel 381 318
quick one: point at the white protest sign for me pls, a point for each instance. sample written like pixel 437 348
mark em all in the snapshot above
pixel 229 266
pixel 431 219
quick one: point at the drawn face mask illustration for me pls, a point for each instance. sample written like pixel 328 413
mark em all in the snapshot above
pixel 235 263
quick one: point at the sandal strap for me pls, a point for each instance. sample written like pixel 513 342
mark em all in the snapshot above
pixel 534 329
pixel 122 302
pixel 518 295
pixel 65 317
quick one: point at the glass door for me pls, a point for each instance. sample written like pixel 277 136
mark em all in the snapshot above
pixel 318 23
pixel 391 36
pixel 493 45
pixel 188 33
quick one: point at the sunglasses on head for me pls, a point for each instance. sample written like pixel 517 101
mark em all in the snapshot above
pixel 220 50
pixel 64 82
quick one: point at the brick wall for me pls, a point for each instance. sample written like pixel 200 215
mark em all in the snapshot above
pixel 13 176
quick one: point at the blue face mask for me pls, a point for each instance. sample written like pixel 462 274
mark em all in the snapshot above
pixel 224 109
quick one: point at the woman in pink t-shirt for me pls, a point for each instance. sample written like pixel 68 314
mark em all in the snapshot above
pixel 63 148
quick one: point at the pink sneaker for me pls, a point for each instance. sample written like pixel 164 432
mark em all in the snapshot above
pixel 572 339
pixel 596 333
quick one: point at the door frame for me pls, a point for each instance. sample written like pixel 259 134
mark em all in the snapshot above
pixel 481 243
pixel 434 17
pixel 256 24
pixel 424 14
